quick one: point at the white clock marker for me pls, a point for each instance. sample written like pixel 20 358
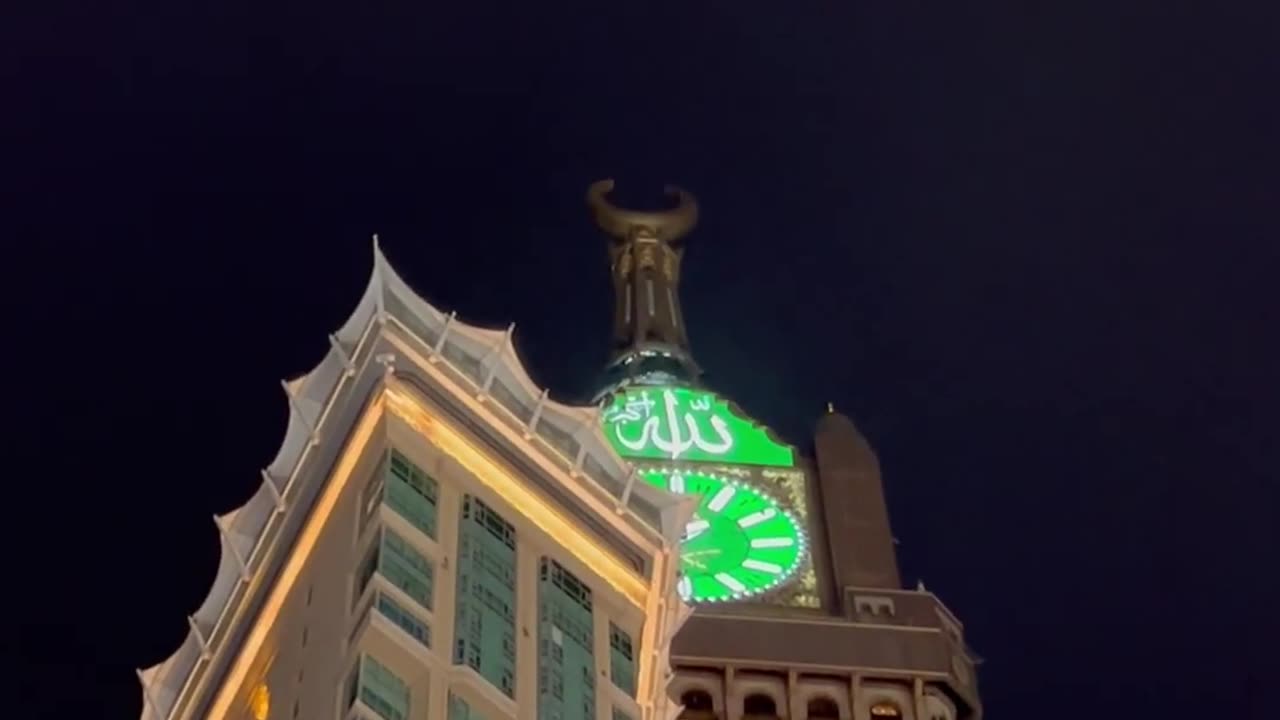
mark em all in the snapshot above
pixel 773 542
pixel 730 582
pixel 762 566
pixel 722 498
pixel 695 528
pixel 757 517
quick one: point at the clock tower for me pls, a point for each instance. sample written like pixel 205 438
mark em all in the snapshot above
pixel 789 559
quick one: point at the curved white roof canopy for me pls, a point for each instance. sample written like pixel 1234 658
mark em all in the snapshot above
pixel 486 359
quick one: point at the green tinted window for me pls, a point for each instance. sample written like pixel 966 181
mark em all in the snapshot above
pixel 622 662
pixel 566 661
pixel 379 689
pixel 412 493
pixel 404 619
pixel 406 568
pixel 460 710
pixel 485 619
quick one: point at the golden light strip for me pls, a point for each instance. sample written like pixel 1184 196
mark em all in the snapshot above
pixel 498 479
pixel 306 542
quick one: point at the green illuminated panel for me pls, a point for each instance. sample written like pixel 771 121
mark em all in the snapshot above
pixel 675 423
pixel 566 659
pixel 485 619
pixel 739 543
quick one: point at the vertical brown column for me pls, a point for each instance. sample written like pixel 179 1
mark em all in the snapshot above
pixel 853 506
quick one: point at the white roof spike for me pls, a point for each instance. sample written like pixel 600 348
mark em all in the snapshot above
pixel 273 489
pixel 297 409
pixel 530 426
pixel 231 544
pixel 146 694
pixel 200 639
pixel 444 334
pixel 379 282
pixel 348 366
pixel 626 490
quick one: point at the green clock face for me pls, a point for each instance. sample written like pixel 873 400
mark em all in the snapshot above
pixel 739 543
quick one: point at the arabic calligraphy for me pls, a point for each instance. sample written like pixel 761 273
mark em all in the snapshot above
pixel 678 434
pixel 686 424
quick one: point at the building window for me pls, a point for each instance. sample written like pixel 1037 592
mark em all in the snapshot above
pixel 566 659
pixel 379 689
pixel 823 708
pixel 403 619
pixel 406 568
pixel 364 572
pixel 759 705
pixel 874 606
pixel 485 618
pixel 622 663
pixel 412 493
pixel 460 710
pixel 885 709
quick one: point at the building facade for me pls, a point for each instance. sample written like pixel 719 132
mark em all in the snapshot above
pixel 438 540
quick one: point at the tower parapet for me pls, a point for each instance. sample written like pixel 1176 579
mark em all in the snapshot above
pixel 649 342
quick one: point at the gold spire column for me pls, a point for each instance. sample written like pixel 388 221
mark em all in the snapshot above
pixel 645 253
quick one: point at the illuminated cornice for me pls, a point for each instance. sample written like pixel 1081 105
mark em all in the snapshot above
pixel 401 402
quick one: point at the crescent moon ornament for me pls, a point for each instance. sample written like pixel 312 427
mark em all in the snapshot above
pixel 666 226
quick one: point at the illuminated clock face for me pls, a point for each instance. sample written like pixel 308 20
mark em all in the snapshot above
pixel 739 543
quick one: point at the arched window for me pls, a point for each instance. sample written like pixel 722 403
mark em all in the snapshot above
pixel 697 700
pixel 823 708
pixel 759 705
pixel 698 705
pixel 886 710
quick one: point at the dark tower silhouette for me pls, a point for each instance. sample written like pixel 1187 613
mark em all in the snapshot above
pixel 853 507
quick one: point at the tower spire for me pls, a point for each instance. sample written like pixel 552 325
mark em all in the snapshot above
pixel 649 343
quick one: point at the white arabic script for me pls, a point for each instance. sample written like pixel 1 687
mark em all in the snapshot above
pixel 681 429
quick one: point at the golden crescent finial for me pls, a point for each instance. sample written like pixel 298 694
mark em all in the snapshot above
pixel 666 225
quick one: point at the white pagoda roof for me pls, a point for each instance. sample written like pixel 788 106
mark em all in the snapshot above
pixel 320 402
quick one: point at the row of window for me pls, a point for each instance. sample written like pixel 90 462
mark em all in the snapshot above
pixel 698 705
pixel 485 606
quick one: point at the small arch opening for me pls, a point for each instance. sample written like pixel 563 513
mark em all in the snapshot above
pixel 697 700
pixel 698 705
pixel 759 705
pixel 886 710
pixel 823 708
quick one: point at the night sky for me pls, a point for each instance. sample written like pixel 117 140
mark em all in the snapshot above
pixel 1031 249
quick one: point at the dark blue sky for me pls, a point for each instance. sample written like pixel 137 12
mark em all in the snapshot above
pixel 1031 248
